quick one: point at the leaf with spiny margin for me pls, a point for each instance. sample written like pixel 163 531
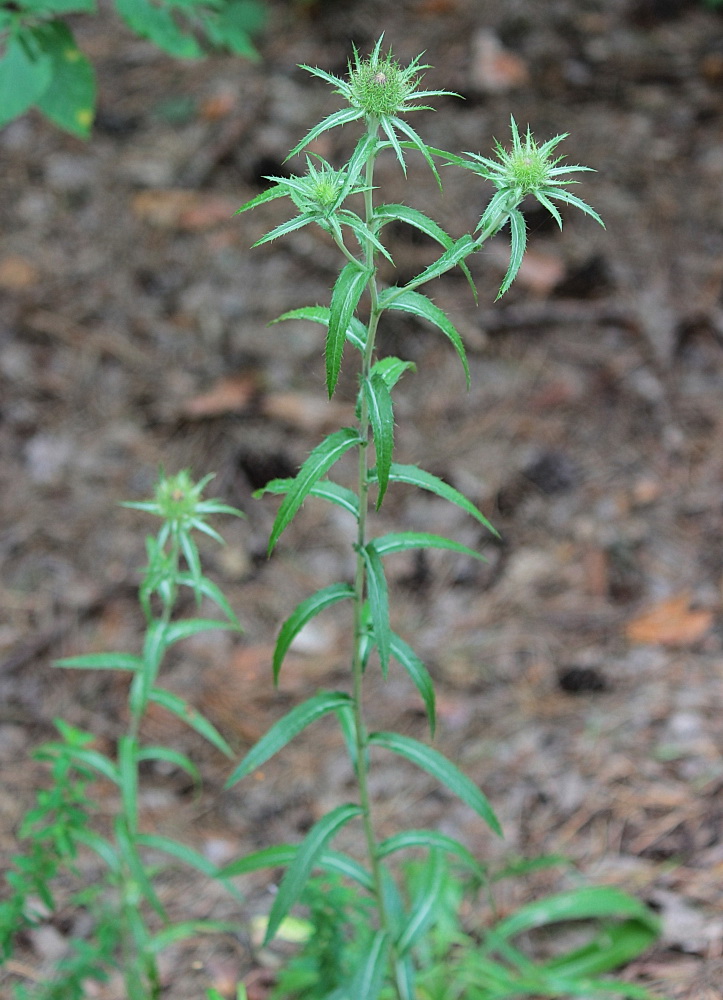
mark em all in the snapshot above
pixel 367 981
pixel 212 591
pixel 381 417
pixel 325 489
pixel 356 332
pixel 403 541
pixel 342 117
pixel 345 297
pixel 303 613
pixel 316 465
pixel 378 594
pixel 191 716
pixel 518 234
pixel 419 305
pixel 460 249
pixel 260 199
pixel 427 839
pixel 425 902
pixel 290 226
pixel 285 729
pixel 391 369
pixel 307 856
pixel 439 767
pixel 415 476
pixel 281 855
pixel 422 222
pixel 419 674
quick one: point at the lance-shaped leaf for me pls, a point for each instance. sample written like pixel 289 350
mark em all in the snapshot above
pixel 425 903
pixel 188 627
pixel 356 332
pixel 303 613
pixel 307 855
pixel 23 77
pixel 70 100
pixel 381 417
pixel 212 592
pixel 316 465
pixel 286 728
pixel 460 249
pixel 128 771
pixel 518 233
pixel 430 839
pixel 419 674
pixel 438 766
pixel 342 117
pixel 378 594
pixel 391 369
pixel 419 305
pixel 191 716
pixel 102 661
pixel 415 476
pixel 403 541
pixel 325 489
pixel 281 855
pixel 367 981
pixel 170 756
pixel 345 297
pixel 270 195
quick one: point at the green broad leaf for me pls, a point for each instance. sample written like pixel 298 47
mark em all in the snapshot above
pixel 174 757
pixel 439 767
pixel 188 627
pixel 281 855
pixel 381 418
pixel 270 195
pixel 159 26
pixel 356 332
pixel 285 729
pixel 367 981
pixel 191 716
pixel 419 675
pixel 70 101
pixel 324 489
pixel 460 249
pixel 425 903
pixel 128 771
pixel 343 117
pixel 290 226
pixel 378 594
pixel 237 20
pixel 429 839
pixel 403 541
pixel 314 468
pixel 23 78
pixel 102 661
pixel 419 305
pixel 345 297
pixel 391 370
pixel 302 615
pixel 307 855
pixel 212 592
pixel 415 476
pixel 187 929
pixel 518 231
pixel 587 903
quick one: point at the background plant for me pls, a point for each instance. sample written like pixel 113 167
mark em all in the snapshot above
pixel 130 924
pixel 394 957
pixel 42 66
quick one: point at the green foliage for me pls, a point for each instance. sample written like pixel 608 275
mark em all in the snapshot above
pixel 41 65
pixel 124 906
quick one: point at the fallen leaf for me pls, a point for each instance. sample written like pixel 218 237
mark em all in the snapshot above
pixel 230 394
pixel 671 622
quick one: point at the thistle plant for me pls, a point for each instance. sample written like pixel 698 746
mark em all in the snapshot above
pixel 389 959
pixel 130 923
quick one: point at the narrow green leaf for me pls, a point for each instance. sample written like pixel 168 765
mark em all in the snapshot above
pixel 391 370
pixel 185 929
pixel 381 417
pixel 518 231
pixel 281 855
pixel 425 903
pixel 97 762
pixel 445 771
pixel 613 947
pixel 23 79
pixel 128 848
pixel 367 981
pixel 419 674
pixel 415 476
pixel 430 839
pixel 419 305
pixel 170 756
pixel 191 716
pixel 128 772
pixel 403 541
pixel 212 592
pixel 345 297
pixel 316 465
pixel 325 489
pixel 270 195
pixel 285 729
pixel 306 858
pixel 378 594
pixel 342 117
pixel 356 332
pixel 102 661
pixel 302 615
pixel 167 845
pixel 158 25
pixel 70 101
pixel 290 226
pixel 188 627
pixel 102 847
pixel 460 249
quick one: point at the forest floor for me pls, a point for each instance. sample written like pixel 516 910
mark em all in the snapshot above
pixel 580 669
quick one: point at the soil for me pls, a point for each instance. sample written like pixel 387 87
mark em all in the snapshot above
pixel 580 670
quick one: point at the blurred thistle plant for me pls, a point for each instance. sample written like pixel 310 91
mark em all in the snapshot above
pixel 389 958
